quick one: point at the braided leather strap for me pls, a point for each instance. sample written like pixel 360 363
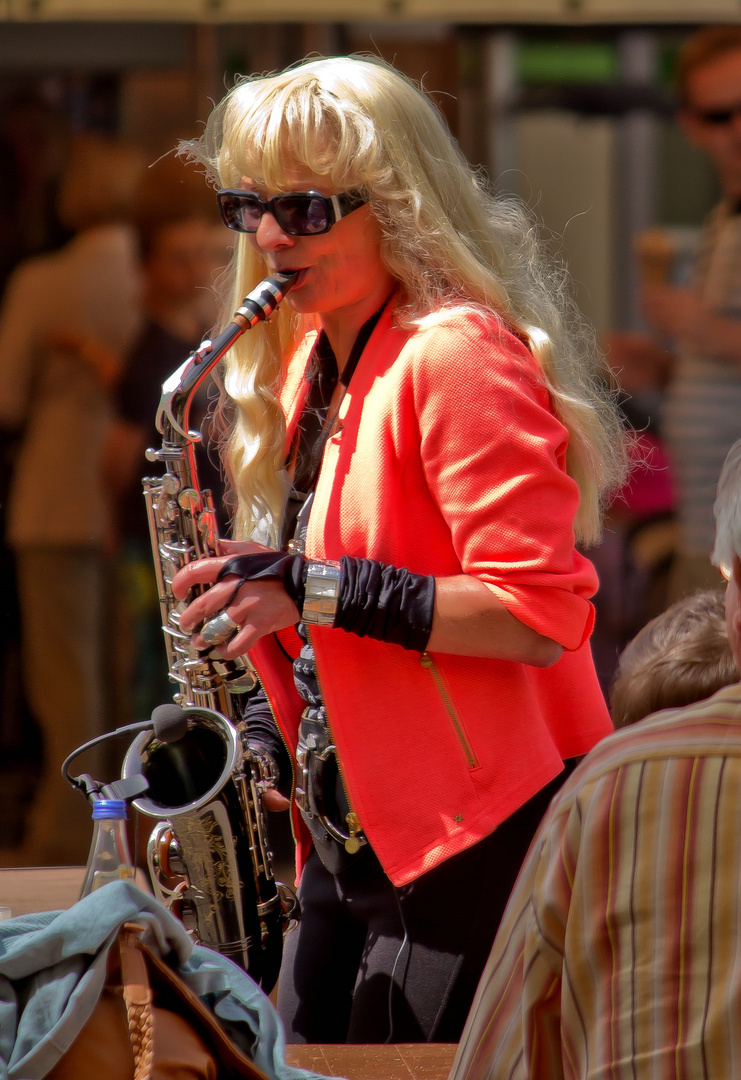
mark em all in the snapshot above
pixel 137 993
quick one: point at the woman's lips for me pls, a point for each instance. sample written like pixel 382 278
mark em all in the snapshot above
pixel 300 271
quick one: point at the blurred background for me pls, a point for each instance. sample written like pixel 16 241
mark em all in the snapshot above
pixel 567 103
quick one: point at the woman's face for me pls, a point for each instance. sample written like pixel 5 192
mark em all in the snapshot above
pixel 341 276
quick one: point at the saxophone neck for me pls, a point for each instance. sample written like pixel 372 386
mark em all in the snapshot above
pixel 178 390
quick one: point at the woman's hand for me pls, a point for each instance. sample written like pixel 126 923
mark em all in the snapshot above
pixel 105 364
pixel 678 313
pixel 682 314
pixel 273 800
pixel 637 361
pixel 258 607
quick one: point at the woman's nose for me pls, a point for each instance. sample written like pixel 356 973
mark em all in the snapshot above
pixel 269 234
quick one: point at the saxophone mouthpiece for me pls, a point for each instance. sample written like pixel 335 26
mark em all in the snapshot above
pixel 264 299
pixel 286 278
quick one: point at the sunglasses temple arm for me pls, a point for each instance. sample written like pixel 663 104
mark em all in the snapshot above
pixel 256 307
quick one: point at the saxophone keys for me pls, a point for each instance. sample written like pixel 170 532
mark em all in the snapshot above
pixel 189 500
pixel 167 855
pixel 207 530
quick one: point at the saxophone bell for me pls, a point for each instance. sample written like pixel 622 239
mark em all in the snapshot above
pixel 204 858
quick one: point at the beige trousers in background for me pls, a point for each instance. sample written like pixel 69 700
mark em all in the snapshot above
pixel 64 646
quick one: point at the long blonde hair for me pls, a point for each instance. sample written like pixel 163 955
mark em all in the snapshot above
pixel 446 238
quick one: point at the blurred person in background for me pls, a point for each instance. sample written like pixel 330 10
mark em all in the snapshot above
pixel 682 380
pixel 66 322
pixel 701 382
pixel 34 141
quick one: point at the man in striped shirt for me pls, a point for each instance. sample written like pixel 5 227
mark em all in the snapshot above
pixel 619 953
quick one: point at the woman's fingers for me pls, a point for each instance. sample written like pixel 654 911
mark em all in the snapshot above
pixel 260 608
pixel 205 571
pixel 237 645
pixel 208 604
pixel 240 547
pixel 257 607
pixel 201 572
pixel 273 800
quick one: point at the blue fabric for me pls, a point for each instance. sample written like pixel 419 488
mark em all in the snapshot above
pixel 53 968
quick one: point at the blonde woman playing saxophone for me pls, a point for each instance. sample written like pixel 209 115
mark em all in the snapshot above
pixel 423 422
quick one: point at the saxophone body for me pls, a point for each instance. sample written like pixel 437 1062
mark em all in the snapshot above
pixel 209 856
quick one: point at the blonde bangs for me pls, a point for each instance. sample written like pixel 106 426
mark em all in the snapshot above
pixel 293 128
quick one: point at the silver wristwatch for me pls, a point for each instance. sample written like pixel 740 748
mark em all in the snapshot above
pixel 322 592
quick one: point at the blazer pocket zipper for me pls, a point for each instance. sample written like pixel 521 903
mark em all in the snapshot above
pixel 428 662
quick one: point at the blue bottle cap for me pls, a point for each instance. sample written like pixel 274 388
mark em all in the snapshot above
pixel 109 808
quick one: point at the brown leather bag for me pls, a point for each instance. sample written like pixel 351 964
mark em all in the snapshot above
pixel 149 1025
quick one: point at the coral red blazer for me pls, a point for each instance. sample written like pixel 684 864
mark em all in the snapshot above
pixel 448 459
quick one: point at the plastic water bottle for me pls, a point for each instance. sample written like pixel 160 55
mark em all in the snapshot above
pixel 109 858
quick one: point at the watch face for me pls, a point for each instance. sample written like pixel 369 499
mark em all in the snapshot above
pixel 327 587
pixel 323 579
pixel 321 593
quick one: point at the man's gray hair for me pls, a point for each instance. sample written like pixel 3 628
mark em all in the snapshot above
pixel 727 510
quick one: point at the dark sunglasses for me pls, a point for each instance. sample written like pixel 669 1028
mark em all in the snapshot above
pixel 300 213
pixel 717 117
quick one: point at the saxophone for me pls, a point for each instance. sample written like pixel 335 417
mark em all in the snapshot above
pixel 208 856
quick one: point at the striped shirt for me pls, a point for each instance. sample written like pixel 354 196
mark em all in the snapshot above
pixel 702 410
pixel 619 954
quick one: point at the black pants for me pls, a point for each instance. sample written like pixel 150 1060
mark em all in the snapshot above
pixel 371 963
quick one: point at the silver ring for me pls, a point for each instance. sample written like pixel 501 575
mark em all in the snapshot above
pixel 218 629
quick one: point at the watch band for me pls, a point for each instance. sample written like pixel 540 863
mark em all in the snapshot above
pixel 322 592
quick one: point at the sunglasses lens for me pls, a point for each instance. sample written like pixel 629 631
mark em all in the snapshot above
pixel 719 117
pixel 302 215
pixel 240 212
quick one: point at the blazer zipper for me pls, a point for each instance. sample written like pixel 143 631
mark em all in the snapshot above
pixel 428 662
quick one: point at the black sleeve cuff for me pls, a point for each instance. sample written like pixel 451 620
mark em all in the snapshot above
pixel 387 603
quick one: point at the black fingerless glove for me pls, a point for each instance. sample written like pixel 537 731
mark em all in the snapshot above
pixel 375 600
pixel 275 565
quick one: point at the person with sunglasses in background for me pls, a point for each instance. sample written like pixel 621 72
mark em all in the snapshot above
pixel 418 436
pixel 702 406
